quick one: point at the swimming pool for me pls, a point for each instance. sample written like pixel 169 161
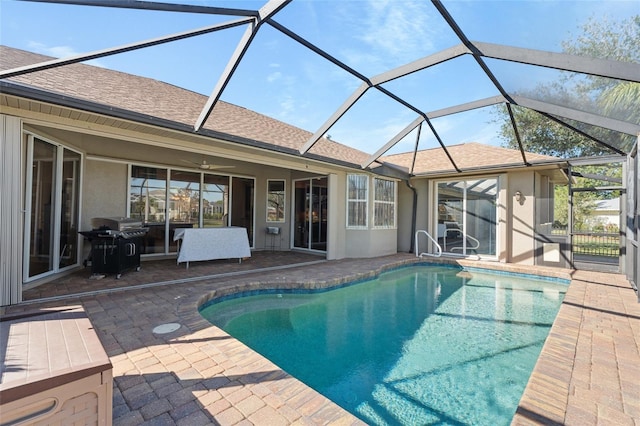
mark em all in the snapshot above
pixel 418 345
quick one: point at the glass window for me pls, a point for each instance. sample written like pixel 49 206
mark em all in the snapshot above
pixel 184 203
pixel 165 200
pixel 147 202
pixel 384 203
pixel 184 196
pixel 275 200
pixel 215 201
pixel 357 189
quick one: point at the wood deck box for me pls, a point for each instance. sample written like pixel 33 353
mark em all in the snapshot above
pixel 54 370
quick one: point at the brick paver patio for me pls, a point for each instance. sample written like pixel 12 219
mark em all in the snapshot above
pixel 588 372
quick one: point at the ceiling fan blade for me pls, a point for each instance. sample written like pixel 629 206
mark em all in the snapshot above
pixel 204 165
pixel 212 167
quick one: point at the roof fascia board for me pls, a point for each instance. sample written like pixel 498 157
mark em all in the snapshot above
pixel 157 6
pixel 397 138
pixel 268 10
pixel 573 114
pixel 491 169
pixel 420 64
pixel 480 103
pixel 120 49
pixel 627 71
pixel 348 103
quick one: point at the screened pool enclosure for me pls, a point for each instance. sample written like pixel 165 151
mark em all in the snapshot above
pixel 497 72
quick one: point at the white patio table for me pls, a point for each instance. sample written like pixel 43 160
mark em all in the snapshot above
pixel 211 243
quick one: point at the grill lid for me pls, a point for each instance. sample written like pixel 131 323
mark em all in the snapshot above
pixel 116 223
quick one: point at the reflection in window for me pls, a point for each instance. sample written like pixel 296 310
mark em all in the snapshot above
pixel 384 203
pixel 184 203
pixel 275 200
pixel 148 194
pixel 43 189
pixel 184 193
pixel 357 188
pixel 147 202
pixel 69 208
pixel 215 201
pixel 52 205
pixel 165 200
pixel 467 216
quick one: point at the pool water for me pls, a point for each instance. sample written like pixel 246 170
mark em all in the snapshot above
pixel 418 345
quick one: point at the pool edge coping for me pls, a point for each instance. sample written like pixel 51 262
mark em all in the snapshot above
pixel 311 286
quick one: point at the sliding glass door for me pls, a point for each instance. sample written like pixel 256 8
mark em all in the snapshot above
pixel 310 223
pixel 467 213
pixel 52 207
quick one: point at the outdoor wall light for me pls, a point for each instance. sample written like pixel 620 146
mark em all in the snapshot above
pixel 518 196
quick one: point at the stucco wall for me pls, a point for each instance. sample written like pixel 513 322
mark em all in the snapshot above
pixel 520 223
pixel 370 243
pixel 104 191
pixel 336 247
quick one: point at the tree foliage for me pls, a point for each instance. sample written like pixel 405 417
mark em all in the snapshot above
pixel 599 38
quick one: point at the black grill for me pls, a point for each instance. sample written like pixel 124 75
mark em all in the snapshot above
pixel 114 251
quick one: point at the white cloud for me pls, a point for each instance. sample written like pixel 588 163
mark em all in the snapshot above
pixel 287 105
pixel 399 32
pixel 274 76
pixel 59 52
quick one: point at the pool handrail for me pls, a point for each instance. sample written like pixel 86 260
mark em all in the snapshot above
pixel 474 240
pixel 438 248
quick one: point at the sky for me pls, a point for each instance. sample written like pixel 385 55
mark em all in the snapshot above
pixel 284 80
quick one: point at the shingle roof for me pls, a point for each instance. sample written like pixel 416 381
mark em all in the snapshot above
pixel 162 100
pixel 467 156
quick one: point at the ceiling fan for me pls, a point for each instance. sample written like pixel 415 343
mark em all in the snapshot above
pixel 204 165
